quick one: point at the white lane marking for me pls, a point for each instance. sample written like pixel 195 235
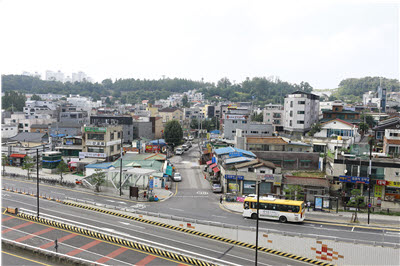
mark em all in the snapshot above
pixel 170 247
pixel 138 206
pixel 58 193
pixel 121 202
pixel 71 221
pixel 352 229
pixel 219 216
pixel 70 246
pixel 176 209
pixel 202 192
pixel 124 223
pixel 110 200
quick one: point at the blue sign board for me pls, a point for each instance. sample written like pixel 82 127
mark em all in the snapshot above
pixel 213 160
pixel 354 179
pixel 151 183
pixel 239 177
pixel 235 154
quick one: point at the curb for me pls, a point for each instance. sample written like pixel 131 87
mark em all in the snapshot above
pixel 234 242
pixel 330 221
pixel 117 240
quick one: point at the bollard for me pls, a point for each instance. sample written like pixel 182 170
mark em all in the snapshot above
pixel 388 210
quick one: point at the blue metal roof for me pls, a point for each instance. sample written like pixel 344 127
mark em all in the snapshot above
pixel 227 150
pixel 99 165
pixel 238 160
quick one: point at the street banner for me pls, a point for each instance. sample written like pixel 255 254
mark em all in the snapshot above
pixel 354 179
pixel 378 191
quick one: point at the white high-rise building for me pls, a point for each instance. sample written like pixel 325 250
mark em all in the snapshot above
pixel 301 112
pixel 56 76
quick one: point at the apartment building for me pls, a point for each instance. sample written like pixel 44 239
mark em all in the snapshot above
pixel 101 142
pixel 301 112
pixel 274 114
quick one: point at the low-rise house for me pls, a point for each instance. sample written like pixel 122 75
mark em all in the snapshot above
pixel 339 112
pixel 40 128
pixel 391 142
pixel 391 123
pixel 71 147
pixel 310 186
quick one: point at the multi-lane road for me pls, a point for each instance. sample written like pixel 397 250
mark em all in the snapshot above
pixel 193 198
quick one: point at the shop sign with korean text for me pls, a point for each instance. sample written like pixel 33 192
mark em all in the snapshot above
pixel 96 129
pixel 239 177
pixel 354 179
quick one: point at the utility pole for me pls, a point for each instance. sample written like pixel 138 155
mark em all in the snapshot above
pixel 37 180
pixel 258 210
pixel 371 142
pixel 120 170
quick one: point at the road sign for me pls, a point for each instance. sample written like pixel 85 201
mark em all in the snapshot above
pixel 369 205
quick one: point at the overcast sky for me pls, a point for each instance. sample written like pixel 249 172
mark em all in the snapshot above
pixel 321 43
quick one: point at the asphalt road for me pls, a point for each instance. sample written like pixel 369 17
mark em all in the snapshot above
pixel 194 199
pixel 94 250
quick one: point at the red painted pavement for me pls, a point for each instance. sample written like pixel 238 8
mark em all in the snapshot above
pixel 83 248
pixel 16 227
pixel 112 255
pixel 7 219
pixel 62 239
pixel 145 260
pixel 34 234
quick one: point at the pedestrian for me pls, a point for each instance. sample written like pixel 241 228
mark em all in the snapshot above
pixel 308 205
pixel 220 199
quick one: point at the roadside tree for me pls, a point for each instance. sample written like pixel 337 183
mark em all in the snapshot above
pixel 62 167
pixel 28 165
pixel 98 178
pixel 173 133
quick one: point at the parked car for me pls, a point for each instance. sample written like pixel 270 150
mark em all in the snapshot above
pixel 216 188
pixel 179 151
pixel 177 177
pixel 185 138
pixel 189 144
pixel 191 138
pixel 185 147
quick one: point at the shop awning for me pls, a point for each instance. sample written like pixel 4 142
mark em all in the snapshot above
pixel 216 169
pixel 16 155
pixel 209 162
pixel 213 165
pixel 305 161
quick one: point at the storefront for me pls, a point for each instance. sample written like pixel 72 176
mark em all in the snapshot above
pixel 233 183
pixel 17 159
pixel 388 190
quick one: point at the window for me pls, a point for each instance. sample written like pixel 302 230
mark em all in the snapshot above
pixel 301 102
pixel 118 147
pixel 300 121
pixel 244 122
pixel 112 148
pixel 96 149
pixel 290 123
pixel 233 131
pixel 291 103
pixel 95 136
pixel 262 171
pixel 300 112
pixel 234 121
pixel 254 132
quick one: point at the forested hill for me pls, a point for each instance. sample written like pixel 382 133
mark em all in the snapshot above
pixel 356 87
pixel 260 90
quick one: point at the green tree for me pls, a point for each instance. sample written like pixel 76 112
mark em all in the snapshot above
pixel 315 128
pixel 257 117
pixel 28 165
pixel 36 98
pixel 194 123
pixel 363 128
pixel 294 192
pixel 173 133
pixel 13 101
pixel 369 120
pixel 62 167
pixel 98 178
pixel 185 101
pixel 4 162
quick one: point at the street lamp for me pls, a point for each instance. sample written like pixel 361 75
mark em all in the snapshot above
pixel 258 211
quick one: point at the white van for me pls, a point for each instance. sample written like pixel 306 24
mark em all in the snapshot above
pixel 179 151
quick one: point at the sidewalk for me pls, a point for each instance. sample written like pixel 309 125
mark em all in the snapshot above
pixel 333 217
pixel 161 193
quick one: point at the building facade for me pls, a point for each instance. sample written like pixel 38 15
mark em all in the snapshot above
pixel 101 142
pixel 301 112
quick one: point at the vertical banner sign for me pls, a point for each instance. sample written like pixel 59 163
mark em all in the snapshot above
pixel 151 182
pixel 378 191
